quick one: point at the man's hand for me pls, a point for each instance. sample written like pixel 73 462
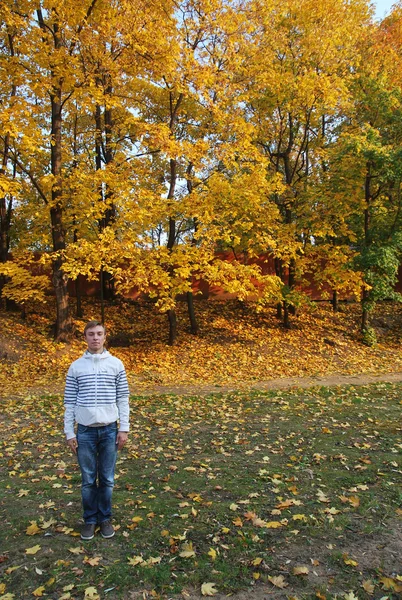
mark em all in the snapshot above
pixel 121 439
pixel 73 444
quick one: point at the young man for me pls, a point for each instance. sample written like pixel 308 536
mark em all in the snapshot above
pixel 95 397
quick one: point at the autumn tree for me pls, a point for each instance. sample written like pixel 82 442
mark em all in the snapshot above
pixel 296 93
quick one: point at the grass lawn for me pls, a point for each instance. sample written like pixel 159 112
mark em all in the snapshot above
pixel 290 494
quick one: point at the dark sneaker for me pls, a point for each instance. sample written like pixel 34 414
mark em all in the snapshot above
pixel 87 531
pixel 107 529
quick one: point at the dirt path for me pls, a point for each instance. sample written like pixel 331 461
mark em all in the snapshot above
pixel 271 384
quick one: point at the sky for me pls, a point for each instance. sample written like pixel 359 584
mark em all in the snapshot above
pixel 383 7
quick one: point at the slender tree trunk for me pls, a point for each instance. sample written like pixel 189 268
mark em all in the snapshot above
pixel 365 319
pixel 78 297
pixel 5 217
pixel 335 301
pixel 191 313
pixel 64 325
pixel 102 297
pixel 286 320
pixel 291 279
pixel 279 273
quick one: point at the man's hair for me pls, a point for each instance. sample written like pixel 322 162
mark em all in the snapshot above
pixel 92 324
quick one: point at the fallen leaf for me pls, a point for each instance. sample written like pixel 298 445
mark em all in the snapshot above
pixel 77 550
pixel 94 561
pixel 135 560
pixel 300 571
pixel 33 529
pixel 32 550
pixel 368 586
pixel 91 593
pixel 208 589
pixel 188 551
pixel 278 581
pixel 38 593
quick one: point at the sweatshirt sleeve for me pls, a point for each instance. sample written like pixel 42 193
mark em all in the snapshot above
pixel 122 395
pixel 70 401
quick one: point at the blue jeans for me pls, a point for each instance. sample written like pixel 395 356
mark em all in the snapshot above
pixel 97 453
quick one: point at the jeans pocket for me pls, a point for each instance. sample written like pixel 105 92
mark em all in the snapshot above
pixel 82 428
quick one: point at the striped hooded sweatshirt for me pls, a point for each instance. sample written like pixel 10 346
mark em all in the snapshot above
pixel 96 392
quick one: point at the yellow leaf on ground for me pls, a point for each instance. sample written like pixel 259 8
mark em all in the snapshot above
pixel 188 551
pixel 91 593
pixel 38 593
pixel 77 550
pixel 208 589
pixel 212 553
pixel 2 588
pixel 368 586
pixel 33 529
pixel 257 561
pixel 94 561
pixel 349 561
pixel 278 581
pixel 135 560
pixel 32 550
pixel 273 525
pixel 300 571
pixel 390 584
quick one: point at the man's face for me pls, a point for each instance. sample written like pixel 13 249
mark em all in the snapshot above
pixel 95 338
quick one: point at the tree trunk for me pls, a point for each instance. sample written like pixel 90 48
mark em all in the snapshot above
pixel 278 273
pixel 286 320
pixel 64 328
pixel 172 327
pixel 191 313
pixel 78 303
pixel 335 301
pixel 64 324
pixel 365 321
pixel 292 278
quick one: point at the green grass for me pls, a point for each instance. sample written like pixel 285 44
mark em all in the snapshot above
pixel 295 478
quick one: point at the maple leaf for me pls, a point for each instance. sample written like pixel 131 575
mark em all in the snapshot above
pixel 350 596
pixel 212 553
pixel 278 581
pixel 208 589
pixel 77 550
pixel 38 593
pixel 349 561
pixel 273 525
pixel 91 593
pixel 135 560
pixel 153 560
pixel 32 550
pixel 368 586
pixel 33 529
pixel 388 583
pixel 93 562
pixel 300 571
pixel 188 550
